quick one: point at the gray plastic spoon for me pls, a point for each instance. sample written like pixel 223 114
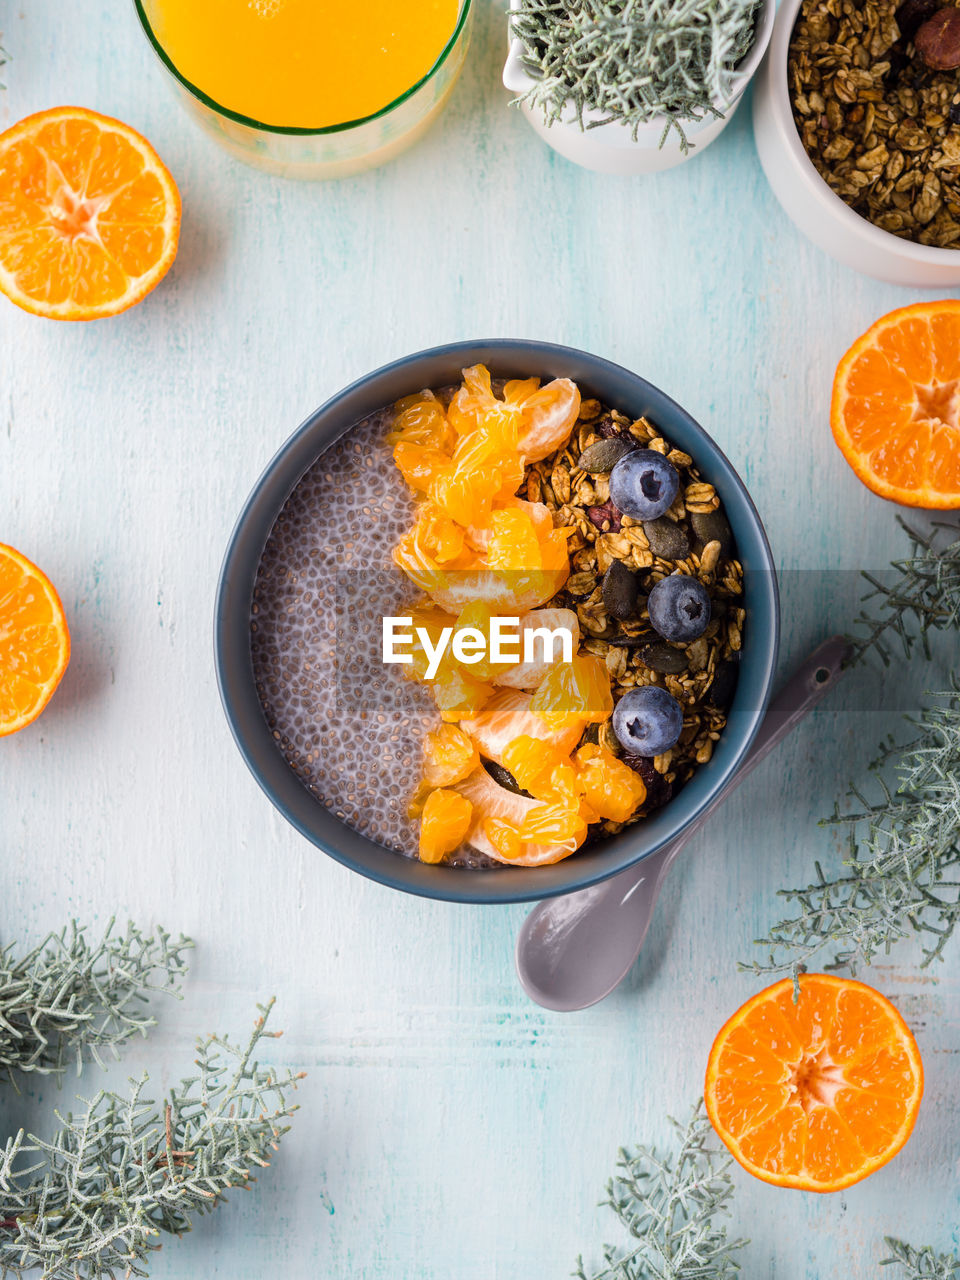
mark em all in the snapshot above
pixel 572 951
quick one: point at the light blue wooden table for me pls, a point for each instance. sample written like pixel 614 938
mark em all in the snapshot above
pixel 449 1128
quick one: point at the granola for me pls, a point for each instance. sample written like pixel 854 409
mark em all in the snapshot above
pixel 700 675
pixel 878 114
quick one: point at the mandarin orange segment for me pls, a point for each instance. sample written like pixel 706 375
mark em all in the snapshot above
pixel 421 420
pixel 945 332
pixel 514 543
pixel 745 1059
pixel 504 837
pixel 419 464
pixel 530 760
pixel 509 715
pixel 574 691
pixel 444 824
pixel 829 1145
pixel 741 1111
pixel 549 415
pixel 457 696
pixel 895 410
pixel 492 802
pixel 873 1121
pixel 812 1017
pixel 909 348
pixel 860 1027
pixel 554 823
pixel 89 215
pixel 819 1094
pixel 34 641
pixel 778 1142
pixel 610 787
pixel 449 755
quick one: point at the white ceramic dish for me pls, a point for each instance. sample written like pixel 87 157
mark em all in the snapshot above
pixel 820 214
pixel 611 148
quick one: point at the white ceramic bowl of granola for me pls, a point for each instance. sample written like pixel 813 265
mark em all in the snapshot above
pixel 820 214
pixel 611 147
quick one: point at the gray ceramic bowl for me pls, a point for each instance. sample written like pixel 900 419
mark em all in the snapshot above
pixel 437 367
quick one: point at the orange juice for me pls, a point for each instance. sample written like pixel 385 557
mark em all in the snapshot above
pixel 303 63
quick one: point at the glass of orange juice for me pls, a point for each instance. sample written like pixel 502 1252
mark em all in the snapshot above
pixel 311 88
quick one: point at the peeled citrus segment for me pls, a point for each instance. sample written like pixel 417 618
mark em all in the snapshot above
pixel 457 694
pixel 419 464
pixel 89 215
pixel 508 716
pixel 528 675
pixel 815 1095
pixel 449 755
pixel 576 692
pixel 610 787
pixel 549 416
pixel 446 819
pixel 504 837
pixel 895 412
pixel 34 641
pixel 490 800
pixel 555 821
pixel 478 536
pixel 454 588
pixel 539 767
pixel 421 420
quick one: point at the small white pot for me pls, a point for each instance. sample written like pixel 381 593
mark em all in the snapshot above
pixel 820 214
pixel 611 148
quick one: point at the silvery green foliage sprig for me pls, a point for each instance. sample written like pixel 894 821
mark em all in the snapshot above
pixel 633 60
pixel 71 998
pixel 92 1204
pixel 669 1205
pixel 923 596
pixel 921 1264
pixel 902 873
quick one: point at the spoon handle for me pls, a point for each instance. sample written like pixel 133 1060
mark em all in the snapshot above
pixel 556 934
pixel 814 678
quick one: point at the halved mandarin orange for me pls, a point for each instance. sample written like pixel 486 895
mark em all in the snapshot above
pixel 34 641
pixel 89 215
pixel 895 412
pixel 819 1094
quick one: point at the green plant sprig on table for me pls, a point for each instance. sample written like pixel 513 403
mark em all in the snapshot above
pixel 124 1170
pixel 633 60
pixel 902 875
pixel 669 1205
pixel 70 997
pixel 921 1264
pixel 923 597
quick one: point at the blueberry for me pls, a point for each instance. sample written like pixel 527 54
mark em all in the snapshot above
pixel 647 721
pixel 644 484
pixel 679 608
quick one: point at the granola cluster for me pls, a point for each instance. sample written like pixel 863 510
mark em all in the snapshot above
pixel 615 561
pixel 881 125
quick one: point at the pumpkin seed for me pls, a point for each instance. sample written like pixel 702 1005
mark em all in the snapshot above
pixel 723 686
pixel 603 455
pixel 664 658
pixel 620 591
pixel 712 526
pixel 504 778
pixel 667 540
